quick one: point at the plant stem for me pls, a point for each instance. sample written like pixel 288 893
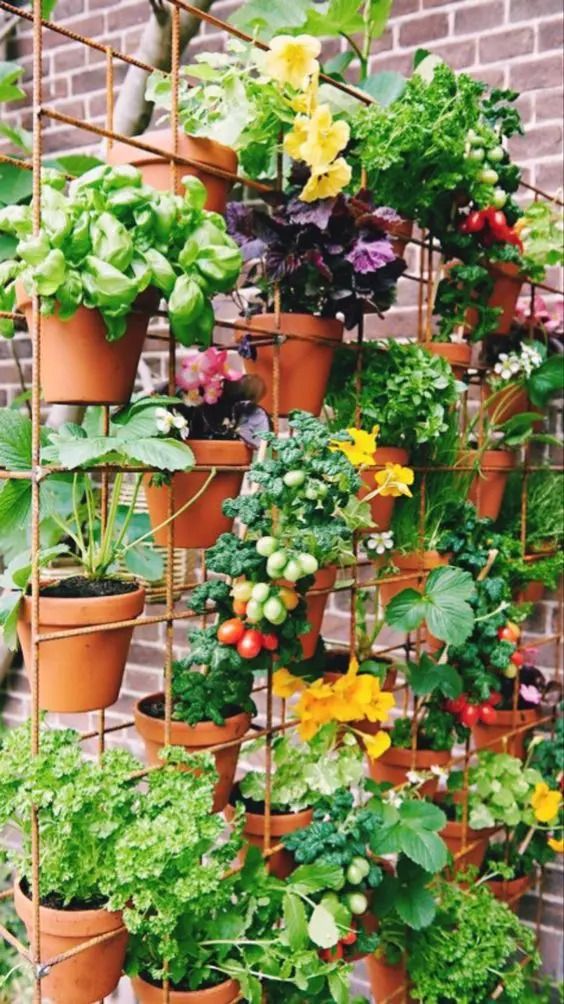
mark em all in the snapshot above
pixel 105 555
pixel 130 512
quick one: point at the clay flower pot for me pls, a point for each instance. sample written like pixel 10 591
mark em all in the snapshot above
pixel 202 522
pixel 324 579
pixel 304 365
pixel 457 354
pixel 507 402
pixel 281 863
pixel 386 979
pixel 452 835
pixel 400 235
pixel 82 673
pixel 507 283
pixel 506 722
pixel 88 976
pixel 195 739
pixel 487 487
pixel 511 891
pixel 223 993
pixel 532 593
pixel 394 765
pixel 382 507
pixel 156 171
pixel 78 363
pixel 419 563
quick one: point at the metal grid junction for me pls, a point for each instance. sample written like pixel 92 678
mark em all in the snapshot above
pixel 429 271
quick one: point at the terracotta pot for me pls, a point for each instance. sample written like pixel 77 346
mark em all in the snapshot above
pixel 92 974
pixel 506 402
pixel 510 892
pixel 281 863
pixel 395 763
pixel 420 563
pixel 515 745
pixel 386 980
pixel 78 364
pixel 304 365
pixel 203 522
pixel 452 835
pixel 532 593
pixel 324 579
pixel 457 354
pixel 400 234
pixel 487 487
pixel 156 171
pixel 382 508
pixel 148 993
pixel 196 738
pixel 507 283
pixel 84 672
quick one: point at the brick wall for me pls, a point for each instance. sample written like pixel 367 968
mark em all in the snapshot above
pixel 511 43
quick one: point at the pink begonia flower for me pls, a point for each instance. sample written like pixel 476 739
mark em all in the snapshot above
pixel 530 694
pixel 193 398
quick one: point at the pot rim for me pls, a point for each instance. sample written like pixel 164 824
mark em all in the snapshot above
pixel 327 327
pixel 398 756
pixel 192 996
pixel 64 610
pixel 68 923
pixel 163 138
pixel 190 735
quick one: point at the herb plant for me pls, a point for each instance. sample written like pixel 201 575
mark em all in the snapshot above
pixel 331 256
pixel 109 238
pixel 500 790
pixel 541 229
pixel 545 510
pixel 405 391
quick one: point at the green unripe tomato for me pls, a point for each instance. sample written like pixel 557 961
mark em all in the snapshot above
pixel 496 154
pixel 499 198
pixel 362 864
pixel 488 175
pixel 266 546
pixel 276 563
pixel 357 903
pixel 309 563
pixel 294 479
pixel 275 611
pixel 476 153
pixel 473 138
pixel 310 493
pixel 354 874
pixel 261 592
pixel 242 591
pixel 293 570
pixel 510 672
pixel 254 612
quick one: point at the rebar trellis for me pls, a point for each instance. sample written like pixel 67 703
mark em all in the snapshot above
pixel 426 280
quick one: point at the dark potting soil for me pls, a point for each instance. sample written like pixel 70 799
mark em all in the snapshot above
pixel 256 808
pixel 183 987
pixel 79 587
pixel 154 707
pixel 55 902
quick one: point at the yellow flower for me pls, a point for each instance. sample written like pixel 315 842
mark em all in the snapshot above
pixel 324 184
pixel 394 480
pixel 305 103
pixel 556 845
pixel 294 140
pixel 325 139
pixel 360 453
pixel 291 60
pixel 376 745
pixel 545 802
pixel 284 684
pixel 351 698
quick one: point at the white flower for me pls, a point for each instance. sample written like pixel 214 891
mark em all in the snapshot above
pixel 393 798
pixel 415 778
pixel 163 420
pixel 438 771
pixel 379 543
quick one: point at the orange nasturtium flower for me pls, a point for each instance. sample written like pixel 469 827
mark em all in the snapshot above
pixel 545 803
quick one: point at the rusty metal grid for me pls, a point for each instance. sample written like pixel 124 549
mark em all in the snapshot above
pixel 429 273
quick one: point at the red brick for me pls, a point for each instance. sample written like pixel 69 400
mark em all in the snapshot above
pixel 401 7
pixel 423 29
pixel 89 27
pixel 549 106
pixel 507 45
pixel 122 16
pixel 66 9
pixel 494 76
pixel 551 34
pixel 549 176
pixel 544 140
pixel 457 54
pixel 474 18
pixel 536 73
pixel 522 10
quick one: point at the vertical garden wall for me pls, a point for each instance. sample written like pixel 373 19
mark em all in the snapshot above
pixel 333 541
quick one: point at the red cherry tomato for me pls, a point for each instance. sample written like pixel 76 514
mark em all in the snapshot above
pixel 495 698
pixel 517 658
pixel 457 705
pixel 488 715
pixel 270 642
pixel 231 631
pixel 510 632
pixel 350 938
pixel 470 715
pixel 474 222
pixel 331 954
pixel 250 644
pixel 496 218
pixel 515 630
pixel 239 608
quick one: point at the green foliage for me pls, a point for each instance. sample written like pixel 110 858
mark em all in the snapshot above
pixel 110 238
pixel 545 509
pixel 444 605
pixel 543 237
pixel 501 790
pixel 474 943
pixel 306 772
pixel 437 729
pixel 212 696
pixel 405 391
pixel 15 974
pixel 546 753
